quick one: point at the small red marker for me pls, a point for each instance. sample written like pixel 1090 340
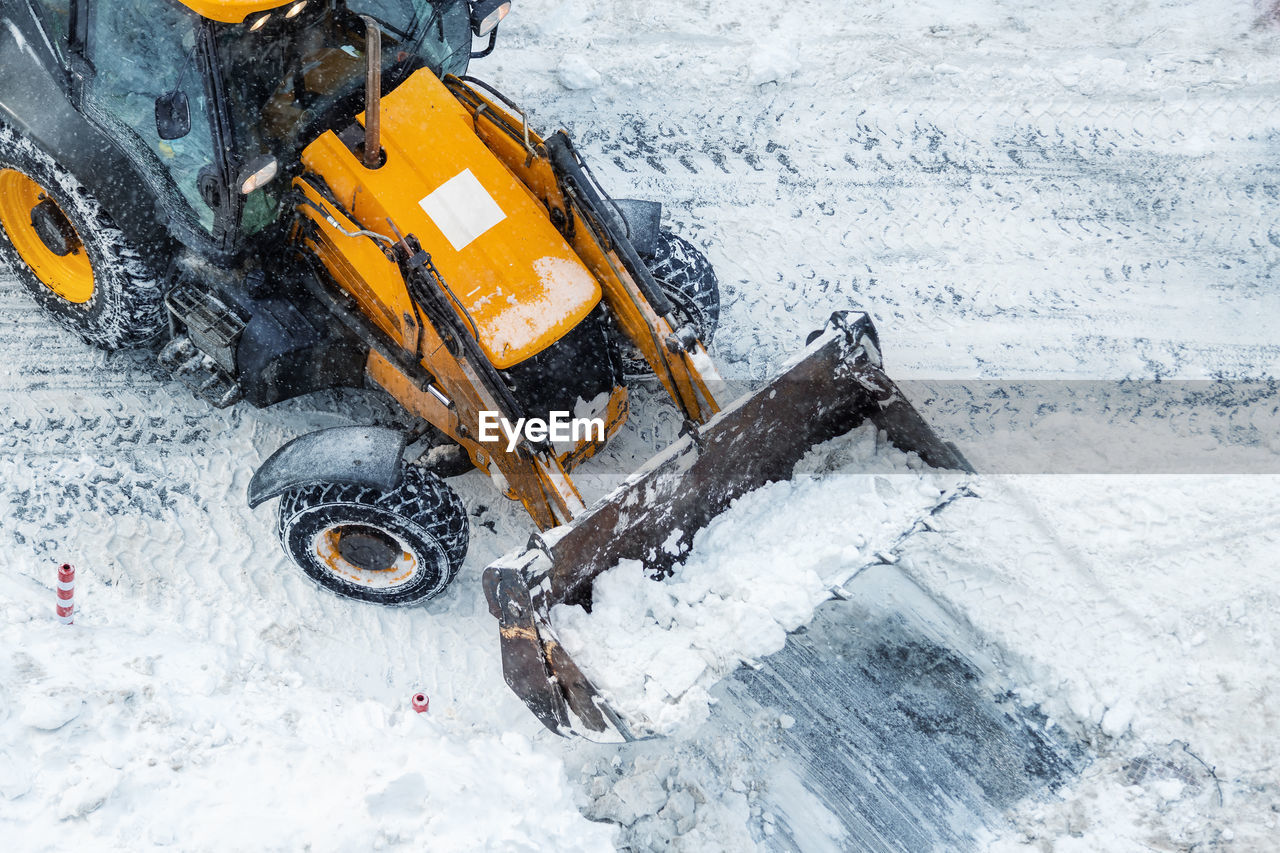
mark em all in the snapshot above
pixel 66 593
pixel 420 702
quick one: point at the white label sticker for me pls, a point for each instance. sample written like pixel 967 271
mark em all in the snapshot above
pixel 462 209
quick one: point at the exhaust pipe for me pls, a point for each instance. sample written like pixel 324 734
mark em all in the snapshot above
pixel 372 94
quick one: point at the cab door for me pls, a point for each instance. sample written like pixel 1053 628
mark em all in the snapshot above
pixel 136 52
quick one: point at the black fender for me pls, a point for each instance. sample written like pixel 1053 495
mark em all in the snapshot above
pixel 360 455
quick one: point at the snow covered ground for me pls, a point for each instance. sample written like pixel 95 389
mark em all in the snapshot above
pixel 1012 190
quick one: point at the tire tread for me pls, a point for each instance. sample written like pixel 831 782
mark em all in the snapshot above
pixel 126 309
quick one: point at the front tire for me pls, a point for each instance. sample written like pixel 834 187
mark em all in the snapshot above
pixel 689 281
pixel 68 253
pixel 395 547
pixel 687 278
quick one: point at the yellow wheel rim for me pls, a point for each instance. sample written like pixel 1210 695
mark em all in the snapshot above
pixel 70 276
pixel 395 570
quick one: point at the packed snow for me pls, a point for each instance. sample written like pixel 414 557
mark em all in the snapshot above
pixel 1011 189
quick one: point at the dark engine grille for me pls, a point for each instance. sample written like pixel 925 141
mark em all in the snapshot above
pixel 582 364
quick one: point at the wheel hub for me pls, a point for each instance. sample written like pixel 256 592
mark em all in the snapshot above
pixel 364 555
pixel 53 228
pixel 368 548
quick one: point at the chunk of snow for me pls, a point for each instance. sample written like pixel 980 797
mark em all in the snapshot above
pixel 774 62
pixel 51 711
pixel 1115 721
pixel 576 72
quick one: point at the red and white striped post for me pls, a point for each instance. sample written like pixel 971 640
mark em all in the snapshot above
pixel 66 593
pixel 420 702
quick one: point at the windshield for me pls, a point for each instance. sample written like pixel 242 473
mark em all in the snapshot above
pixel 294 77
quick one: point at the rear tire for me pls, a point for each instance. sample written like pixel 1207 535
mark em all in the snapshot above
pixel 689 281
pixel 93 283
pixel 395 547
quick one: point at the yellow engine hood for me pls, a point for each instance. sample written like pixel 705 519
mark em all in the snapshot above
pixel 489 237
pixel 230 11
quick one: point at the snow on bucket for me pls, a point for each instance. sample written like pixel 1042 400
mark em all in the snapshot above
pixel 420 702
pixel 66 593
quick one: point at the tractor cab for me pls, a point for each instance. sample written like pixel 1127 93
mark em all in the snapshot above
pixel 289 74
pixel 206 89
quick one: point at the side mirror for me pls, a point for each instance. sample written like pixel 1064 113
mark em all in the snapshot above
pixel 173 115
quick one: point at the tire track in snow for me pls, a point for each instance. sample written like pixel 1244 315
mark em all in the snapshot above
pixel 999 229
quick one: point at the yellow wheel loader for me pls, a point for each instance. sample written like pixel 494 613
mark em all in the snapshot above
pixel 291 196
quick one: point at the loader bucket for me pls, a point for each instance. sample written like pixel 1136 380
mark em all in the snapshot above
pixel 828 390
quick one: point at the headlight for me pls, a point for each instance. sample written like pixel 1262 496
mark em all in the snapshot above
pixel 258 173
pixel 487 14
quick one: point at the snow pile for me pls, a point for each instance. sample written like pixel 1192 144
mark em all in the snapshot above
pixel 755 573
pixel 1166 798
pixel 674 799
